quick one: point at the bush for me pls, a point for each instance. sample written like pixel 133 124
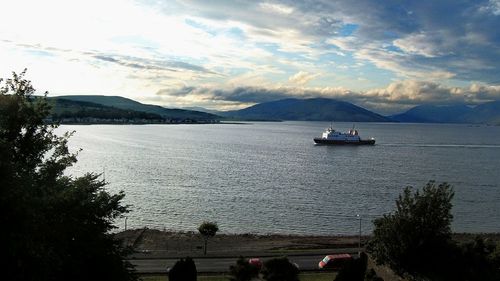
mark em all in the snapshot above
pixel 416 240
pixel 243 271
pixel 477 261
pixel 280 269
pixel 372 276
pixel 183 270
pixel 354 270
pixel 415 237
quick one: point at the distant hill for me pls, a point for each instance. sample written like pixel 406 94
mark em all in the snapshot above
pixel 485 113
pixel 128 104
pixel 202 109
pixel 69 111
pixel 433 114
pixel 315 109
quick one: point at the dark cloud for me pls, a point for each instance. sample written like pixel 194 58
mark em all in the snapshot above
pixel 250 94
pixel 239 94
pixel 453 36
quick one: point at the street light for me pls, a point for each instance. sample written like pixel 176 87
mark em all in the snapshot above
pixel 359 241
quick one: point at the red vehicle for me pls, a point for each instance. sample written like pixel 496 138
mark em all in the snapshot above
pixel 255 262
pixel 335 262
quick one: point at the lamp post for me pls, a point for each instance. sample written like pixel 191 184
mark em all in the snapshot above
pixel 359 241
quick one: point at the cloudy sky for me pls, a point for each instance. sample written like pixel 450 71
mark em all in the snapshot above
pixel 382 55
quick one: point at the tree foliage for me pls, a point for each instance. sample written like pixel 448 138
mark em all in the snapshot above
pixel 416 240
pixel 478 260
pixel 417 233
pixel 280 269
pixel 183 270
pixel 354 270
pixel 243 271
pixel 208 230
pixel 54 226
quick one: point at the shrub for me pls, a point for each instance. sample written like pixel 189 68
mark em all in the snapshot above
pixel 372 276
pixel 183 270
pixel 414 238
pixel 280 269
pixel 353 270
pixel 243 271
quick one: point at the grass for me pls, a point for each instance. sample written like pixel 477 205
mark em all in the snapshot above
pixel 308 276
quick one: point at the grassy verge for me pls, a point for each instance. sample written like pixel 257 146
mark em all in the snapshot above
pixel 308 276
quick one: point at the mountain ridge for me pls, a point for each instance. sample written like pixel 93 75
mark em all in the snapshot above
pixel 293 109
pixel 488 112
pixel 312 109
pixel 129 104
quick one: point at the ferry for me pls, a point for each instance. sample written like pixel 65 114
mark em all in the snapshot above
pixel 330 136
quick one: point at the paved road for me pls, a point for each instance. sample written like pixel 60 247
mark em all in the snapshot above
pixel 305 262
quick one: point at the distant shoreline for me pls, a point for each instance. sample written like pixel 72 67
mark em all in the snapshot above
pixel 179 123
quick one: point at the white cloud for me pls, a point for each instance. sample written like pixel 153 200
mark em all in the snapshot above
pixel 276 8
pixel 302 77
pixel 137 48
pixel 424 44
pixel 391 99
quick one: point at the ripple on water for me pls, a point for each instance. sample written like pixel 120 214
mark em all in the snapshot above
pixel 271 178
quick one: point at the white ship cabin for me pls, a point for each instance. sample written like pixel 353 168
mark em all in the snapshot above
pixel 331 134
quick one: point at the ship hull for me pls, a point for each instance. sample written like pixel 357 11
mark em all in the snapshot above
pixel 339 142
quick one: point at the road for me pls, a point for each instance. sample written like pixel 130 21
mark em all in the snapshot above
pixel 211 265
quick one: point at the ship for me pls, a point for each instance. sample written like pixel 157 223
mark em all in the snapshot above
pixel 333 137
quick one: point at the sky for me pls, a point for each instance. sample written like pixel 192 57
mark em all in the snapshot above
pixel 386 56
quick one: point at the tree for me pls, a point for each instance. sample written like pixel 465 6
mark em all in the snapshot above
pixel 417 235
pixel 478 262
pixel 354 270
pixel 208 230
pixel 243 271
pixel 55 226
pixel 183 270
pixel 280 269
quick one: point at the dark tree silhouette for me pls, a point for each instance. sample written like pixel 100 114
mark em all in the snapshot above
pixel 280 269
pixel 243 271
pixel 353 270
pixel 183 270
pixel 208 230
pixel 55 227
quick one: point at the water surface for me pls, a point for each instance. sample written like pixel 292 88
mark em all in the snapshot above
pixel 271 178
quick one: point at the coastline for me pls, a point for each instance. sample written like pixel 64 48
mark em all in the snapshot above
pixel 153 244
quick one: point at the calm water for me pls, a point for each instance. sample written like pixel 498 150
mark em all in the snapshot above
pixel 271 178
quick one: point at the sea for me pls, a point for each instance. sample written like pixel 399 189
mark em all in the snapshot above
pixel 270 177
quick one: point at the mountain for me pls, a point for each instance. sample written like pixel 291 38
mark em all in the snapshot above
pixel 69 111
pixel 433 114
pixel 315 109
pixel 484 113
pixel 128 104
pixel 202 109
